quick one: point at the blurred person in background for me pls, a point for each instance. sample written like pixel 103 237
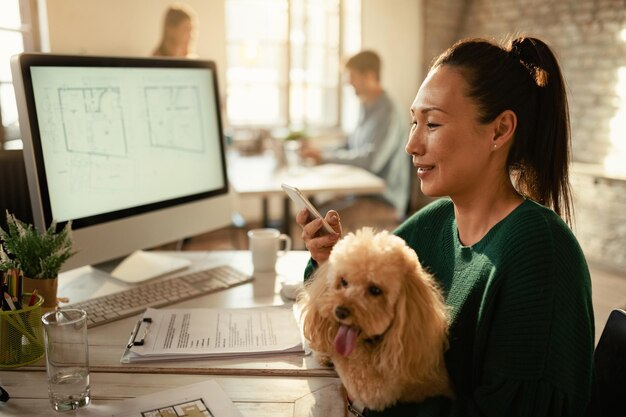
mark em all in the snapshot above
pixel 379 133
pixel 178 33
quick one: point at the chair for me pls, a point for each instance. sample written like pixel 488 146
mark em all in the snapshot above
pixel 609 378
pixel 14 195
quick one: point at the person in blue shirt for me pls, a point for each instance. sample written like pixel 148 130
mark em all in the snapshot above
pixel 380 131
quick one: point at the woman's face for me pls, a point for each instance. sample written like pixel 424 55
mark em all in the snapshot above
pixel 180 36
pixel 449 148
pixel 184 31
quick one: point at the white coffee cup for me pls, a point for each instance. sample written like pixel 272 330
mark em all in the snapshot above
pixel 265 247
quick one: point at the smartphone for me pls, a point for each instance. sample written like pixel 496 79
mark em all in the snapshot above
pixel 301 202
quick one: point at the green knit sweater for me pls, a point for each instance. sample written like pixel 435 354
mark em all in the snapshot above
pixel 521 318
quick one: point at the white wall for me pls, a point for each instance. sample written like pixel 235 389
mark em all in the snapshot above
pixel 130 27
pixel 393 28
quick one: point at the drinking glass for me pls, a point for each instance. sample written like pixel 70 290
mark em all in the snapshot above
pixel 67 358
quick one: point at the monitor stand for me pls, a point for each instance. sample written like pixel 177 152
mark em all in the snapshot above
pixel 143 265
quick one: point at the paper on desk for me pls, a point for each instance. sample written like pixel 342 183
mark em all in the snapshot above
pixel 214 333
pixel 202 399
pixel 141 266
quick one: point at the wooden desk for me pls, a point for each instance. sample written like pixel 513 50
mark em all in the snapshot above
pixel 254 396
pixel 287 385
pixel 106 342
pixel 260 176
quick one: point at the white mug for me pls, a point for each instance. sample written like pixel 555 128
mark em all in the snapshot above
pixel 265 247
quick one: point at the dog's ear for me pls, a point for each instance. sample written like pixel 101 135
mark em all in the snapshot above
pixel 417 336
pixel 317 329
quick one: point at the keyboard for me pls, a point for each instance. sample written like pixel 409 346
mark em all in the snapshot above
pixel 135 300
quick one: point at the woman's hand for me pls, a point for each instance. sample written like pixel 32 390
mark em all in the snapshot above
pixel 319 246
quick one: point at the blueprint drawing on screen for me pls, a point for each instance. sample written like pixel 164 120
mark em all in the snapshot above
pixel 125 137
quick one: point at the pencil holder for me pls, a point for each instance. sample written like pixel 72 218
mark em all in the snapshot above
pixel 21 336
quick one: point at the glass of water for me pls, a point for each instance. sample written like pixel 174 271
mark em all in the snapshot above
pixel 67 358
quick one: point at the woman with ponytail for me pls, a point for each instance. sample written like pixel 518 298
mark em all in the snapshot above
pixel 490 132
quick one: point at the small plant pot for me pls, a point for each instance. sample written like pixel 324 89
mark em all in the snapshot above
pixel 47 288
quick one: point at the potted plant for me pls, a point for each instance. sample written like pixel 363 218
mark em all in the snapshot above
pixel 295 135
pixel 39 256
pixel 291 145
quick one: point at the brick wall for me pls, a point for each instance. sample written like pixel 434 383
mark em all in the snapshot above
pixel 587 36
pixel 443 20
pixel 600 216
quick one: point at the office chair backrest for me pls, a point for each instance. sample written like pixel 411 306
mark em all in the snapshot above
pixel 14 187
pixel 609 379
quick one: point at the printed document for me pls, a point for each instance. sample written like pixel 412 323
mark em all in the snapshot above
pixel 168 334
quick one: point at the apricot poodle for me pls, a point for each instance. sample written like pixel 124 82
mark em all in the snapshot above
pixel 380 318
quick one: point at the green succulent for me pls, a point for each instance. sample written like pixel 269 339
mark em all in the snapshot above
pixel 38 255
pixel 296 135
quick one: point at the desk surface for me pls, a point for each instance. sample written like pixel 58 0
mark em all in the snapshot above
pixel 106 342
pixel 259 175
pixel 287 385
pixel 253 396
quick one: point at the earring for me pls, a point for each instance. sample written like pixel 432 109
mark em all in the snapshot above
pixel 495 146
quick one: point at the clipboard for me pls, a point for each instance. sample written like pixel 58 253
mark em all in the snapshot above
pixel 144 323
pixel 204 333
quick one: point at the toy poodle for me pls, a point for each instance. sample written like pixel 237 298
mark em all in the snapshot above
pixel 378 316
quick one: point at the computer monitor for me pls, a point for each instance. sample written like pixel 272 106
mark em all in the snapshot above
pixel 129 149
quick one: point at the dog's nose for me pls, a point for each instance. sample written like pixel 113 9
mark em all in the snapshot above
pixel 342 312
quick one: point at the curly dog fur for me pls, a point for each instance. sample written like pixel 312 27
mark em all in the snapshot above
pixel 380 318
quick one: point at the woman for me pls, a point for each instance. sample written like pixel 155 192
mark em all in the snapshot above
pixel 490 130
pixel 176 38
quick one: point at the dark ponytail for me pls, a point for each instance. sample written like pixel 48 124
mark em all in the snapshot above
pixel 524 77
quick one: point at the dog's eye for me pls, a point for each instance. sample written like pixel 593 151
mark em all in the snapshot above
pixel 374 290
pixel 343 282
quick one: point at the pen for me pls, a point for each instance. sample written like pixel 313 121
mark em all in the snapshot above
pixel 33 297
pixel 20 286
pixel 11 282
pixel 133 334
pixel 4 289
pixel 9 301
pixel 17 303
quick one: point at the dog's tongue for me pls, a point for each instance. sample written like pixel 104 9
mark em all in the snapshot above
pixel 345 340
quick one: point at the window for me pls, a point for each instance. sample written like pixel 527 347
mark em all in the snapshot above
pixel 18 33
pixel 284 61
